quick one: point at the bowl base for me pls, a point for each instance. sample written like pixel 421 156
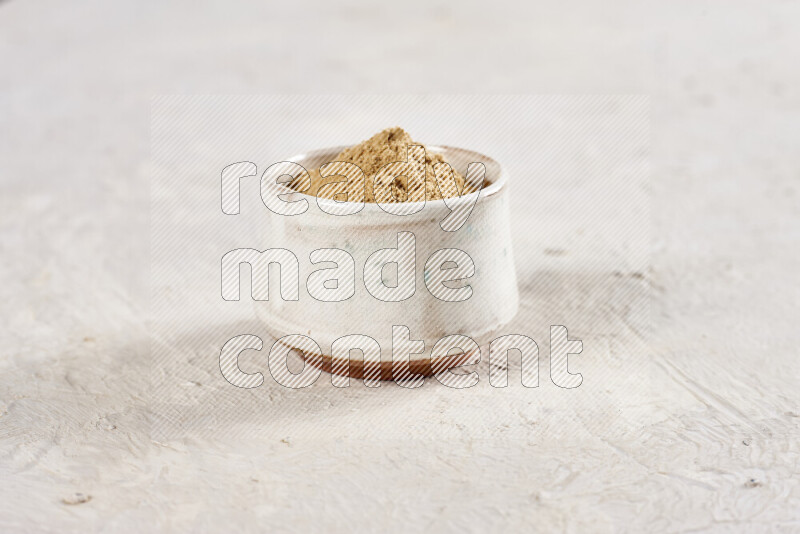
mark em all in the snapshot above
pixel 406 370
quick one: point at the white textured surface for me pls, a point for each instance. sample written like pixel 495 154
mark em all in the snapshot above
pixel 699 431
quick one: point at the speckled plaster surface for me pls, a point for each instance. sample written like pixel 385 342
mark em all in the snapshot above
pixel 691 425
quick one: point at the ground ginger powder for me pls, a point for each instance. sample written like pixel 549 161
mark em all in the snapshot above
pixel 388 146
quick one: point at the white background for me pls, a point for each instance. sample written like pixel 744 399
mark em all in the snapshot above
pixel 703 433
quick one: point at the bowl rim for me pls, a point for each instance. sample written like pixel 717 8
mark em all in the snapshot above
pixel 436 205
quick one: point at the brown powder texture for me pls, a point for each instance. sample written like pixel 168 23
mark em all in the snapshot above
pixel 371 155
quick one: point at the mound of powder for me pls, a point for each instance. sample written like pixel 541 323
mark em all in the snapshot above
pixel 385 147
